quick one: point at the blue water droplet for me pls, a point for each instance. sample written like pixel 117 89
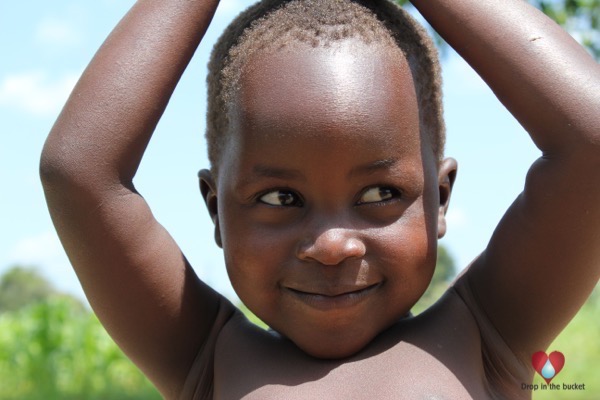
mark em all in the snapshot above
pixel 548 370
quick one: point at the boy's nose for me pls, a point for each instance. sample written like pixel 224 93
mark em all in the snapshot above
pixel 331 247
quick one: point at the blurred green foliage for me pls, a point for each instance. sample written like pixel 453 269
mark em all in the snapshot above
pixel 581 18
pixel 58 350
pixel 54 348
pixel 21 286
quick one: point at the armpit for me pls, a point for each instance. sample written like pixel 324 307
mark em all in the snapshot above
pixel 199 383
pixel 505 373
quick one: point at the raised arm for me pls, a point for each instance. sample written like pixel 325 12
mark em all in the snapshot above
pixel 133 273
pixel 544 258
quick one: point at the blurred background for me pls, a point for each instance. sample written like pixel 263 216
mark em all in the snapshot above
pixel 52 346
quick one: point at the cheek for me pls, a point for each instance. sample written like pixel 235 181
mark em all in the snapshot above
pixel 255 258
pixel 247 241
pixel 409 245
pixel 256 261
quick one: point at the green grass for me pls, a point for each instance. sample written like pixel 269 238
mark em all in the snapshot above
pixel 580 343
pixel 58 350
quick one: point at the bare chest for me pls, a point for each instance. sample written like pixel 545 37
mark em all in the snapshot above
pixel 418 360
pixel 403 372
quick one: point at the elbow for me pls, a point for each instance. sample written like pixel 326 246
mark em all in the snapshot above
pixel 53 166
pixel 63 178
pixel 69 170
pixel 50 165
pixel 59 168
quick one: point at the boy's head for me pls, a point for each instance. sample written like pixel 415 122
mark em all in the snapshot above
pixel 271 25
pixel 330 193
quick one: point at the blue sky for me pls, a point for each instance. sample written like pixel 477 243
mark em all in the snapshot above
pixel 45 48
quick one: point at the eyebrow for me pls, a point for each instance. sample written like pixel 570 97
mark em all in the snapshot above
pixel 374 166
pixel 264 171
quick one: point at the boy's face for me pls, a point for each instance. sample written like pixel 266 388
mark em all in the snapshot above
pixel 327 202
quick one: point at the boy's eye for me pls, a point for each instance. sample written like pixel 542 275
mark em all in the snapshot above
pixel 281 198
pixel 378 194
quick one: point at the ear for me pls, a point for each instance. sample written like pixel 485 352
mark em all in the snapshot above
pixel 209 194
pixel 446 177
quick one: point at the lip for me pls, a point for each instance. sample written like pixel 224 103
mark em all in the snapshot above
pixel 330 300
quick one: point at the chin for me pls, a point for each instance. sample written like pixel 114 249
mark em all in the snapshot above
pixel 333 347
pixel 333 354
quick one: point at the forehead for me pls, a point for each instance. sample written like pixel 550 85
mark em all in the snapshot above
pixel 348 81
pixel 346 92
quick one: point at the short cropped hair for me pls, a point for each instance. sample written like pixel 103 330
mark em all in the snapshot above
pixel 273 24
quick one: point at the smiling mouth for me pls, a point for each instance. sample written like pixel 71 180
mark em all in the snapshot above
pixel 329 301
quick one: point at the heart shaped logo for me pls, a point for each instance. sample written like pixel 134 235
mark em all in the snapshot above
pixel 548 366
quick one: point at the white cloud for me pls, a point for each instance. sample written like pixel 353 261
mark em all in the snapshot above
pixel 35 93
pixel 42 247
pixel 44 252
pixel 53 31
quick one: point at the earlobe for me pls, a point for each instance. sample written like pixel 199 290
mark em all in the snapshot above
pixel 446 178
pixel 209 194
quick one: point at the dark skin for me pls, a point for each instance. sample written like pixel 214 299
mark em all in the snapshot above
pixel 354 206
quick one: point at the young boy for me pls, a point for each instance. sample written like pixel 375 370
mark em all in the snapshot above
pixel 328 191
